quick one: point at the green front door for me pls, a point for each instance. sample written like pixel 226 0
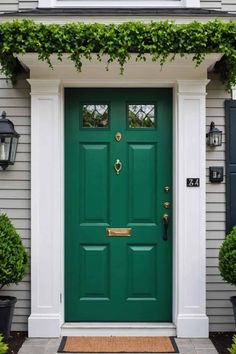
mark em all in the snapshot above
pixel 118 163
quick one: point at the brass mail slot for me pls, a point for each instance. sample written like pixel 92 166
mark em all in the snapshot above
pixel 118 231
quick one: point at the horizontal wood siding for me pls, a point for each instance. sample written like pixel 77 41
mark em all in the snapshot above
pixel 15 186
pixel 229 5
pixel 14 5
pixel 219 308
pixel 8 5
pixel 27 4
pixel 211 4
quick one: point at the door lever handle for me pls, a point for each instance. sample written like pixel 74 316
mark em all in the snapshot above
pixel 165 224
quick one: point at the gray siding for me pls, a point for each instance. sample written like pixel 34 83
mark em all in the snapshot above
pixel 15 186
pixel 211 4
pixel 8 5
pixel 229 5
pixel 219 308
pixel 27 4
pixel 14 5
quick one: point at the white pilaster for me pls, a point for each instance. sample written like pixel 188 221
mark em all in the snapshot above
pixel 190 144
pixel 46 208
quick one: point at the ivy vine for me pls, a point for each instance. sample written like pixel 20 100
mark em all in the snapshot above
pixel 161 40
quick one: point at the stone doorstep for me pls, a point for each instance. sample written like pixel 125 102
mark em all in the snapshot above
pixel 50 346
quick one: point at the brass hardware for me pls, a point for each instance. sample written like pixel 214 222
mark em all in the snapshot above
pixel 118 136
pixel 117 166
pixel 119 231
pixel 165 219
pixel 167 189
pixel 166 205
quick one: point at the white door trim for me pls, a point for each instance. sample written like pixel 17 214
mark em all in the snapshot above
pixel 189 87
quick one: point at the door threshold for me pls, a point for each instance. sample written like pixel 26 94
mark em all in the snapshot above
pixel 139 329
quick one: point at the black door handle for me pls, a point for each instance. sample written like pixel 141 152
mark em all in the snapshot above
pixel 165 224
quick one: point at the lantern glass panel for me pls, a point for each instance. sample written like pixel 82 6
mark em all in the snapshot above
pixel 13 149
pixel 5 144
pixel 215 139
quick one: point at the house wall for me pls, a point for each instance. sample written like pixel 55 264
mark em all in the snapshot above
pixel 15 201
pixel 14 5
pixel 211 4
pixel 219 308
pixel 15 185
pixel 229 5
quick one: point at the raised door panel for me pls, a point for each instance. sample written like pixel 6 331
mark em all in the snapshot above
pixel 142 260
pixel 142 183
pixel 94 187
pixel 94 270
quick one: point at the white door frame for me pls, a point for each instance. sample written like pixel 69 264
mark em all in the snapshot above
pixel 47 168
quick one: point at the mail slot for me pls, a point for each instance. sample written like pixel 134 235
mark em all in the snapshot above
pixel 119 231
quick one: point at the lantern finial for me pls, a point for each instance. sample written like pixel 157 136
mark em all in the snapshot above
pixel 4 115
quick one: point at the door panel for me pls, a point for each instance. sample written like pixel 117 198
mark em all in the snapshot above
pixel 142 183
pixel 118 278
pixel 142 261
pixel 94 183
pixel 95 271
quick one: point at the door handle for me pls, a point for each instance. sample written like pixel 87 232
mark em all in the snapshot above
pixel 165 224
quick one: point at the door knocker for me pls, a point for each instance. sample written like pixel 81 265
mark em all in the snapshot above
pixel 117 166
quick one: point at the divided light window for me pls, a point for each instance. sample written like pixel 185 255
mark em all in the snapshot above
pixel 117 3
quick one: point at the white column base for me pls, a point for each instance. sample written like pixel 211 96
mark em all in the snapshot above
pixel 44 325
pixel 194 326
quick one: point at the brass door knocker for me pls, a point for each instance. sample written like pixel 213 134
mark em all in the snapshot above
pixel 117 166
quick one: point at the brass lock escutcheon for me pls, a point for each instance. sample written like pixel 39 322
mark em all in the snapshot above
pixel 118 166
pixel 166 205
pixel 118 136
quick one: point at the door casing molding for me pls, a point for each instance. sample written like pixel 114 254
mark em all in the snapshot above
pixel 47 184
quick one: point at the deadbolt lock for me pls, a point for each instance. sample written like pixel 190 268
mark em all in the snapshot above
pixel 166 205
pixel 167 189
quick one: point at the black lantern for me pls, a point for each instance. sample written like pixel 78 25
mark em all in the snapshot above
pixel 214 136
pixel 8 142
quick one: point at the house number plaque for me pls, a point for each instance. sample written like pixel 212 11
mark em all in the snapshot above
pixel 193 182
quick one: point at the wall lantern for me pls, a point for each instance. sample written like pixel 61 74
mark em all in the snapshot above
pixel 8 142
pixel 214 136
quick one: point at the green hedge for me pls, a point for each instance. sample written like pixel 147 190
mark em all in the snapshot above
pixel 13 256
pixel 159 39
pixel 227 258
